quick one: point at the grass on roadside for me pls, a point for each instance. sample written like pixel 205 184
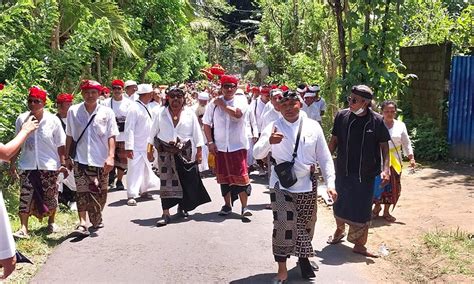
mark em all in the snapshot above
pixel 40 245
pixel 441 256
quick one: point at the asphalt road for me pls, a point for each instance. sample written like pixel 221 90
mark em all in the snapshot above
pixel 205 248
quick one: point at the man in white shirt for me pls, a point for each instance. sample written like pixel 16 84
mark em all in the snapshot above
pixel 314 105
pixel 229 144
pixel 42 157
pixel 7 244
pixel 131 90
pixel 92 128
pixel 140 177
pixel 199 109
pixel 294 200
pixel 261 96
pixel 120 105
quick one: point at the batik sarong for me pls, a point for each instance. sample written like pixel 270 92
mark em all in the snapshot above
pixel 120 159
pixel 390 193
pixel 92 187
pixel 38 193
pixel 231 168
pixel 294 219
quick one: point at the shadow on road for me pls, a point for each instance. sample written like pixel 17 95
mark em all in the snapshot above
pixel 381 222
pixel 197 217
pixel 294 276
pixel 340 254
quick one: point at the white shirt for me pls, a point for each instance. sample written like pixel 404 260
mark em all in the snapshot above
pixel 7 244
pixel 230 133
pixel 314 110
pixel 93 148
pixel 120 109
pixel 133 97
pixel 257 106
pixel 270 116
pixel 188 128
pixel 153 106
pixel 268 107
pixel 312 149
pixel 40 150
pixel 251 125
pixel 400 137
pixel 138 127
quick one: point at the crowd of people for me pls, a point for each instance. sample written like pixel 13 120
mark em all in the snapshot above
pixel 165 139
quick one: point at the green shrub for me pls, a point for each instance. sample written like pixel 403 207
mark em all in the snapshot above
pixel 429 142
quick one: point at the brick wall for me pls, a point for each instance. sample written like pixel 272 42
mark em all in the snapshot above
pixel 431 64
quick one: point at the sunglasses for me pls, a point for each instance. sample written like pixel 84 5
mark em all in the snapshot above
pixel 353 100
pixel 176 96
pixel 34 101
pixel 288 96
pixel 228 86
pixel 116 88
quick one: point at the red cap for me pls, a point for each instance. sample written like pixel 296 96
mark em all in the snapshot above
pixel 274 86
pixel 64 98
pixel 36 92
pixel 1 86
pixel 265 90
pixel 118 83
pixel 228 79
pixel 255 89
pixel 106 90
pixel 91 84
pixel 284 88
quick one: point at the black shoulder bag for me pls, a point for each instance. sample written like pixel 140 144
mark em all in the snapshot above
pixel 73 147
pixel 284 171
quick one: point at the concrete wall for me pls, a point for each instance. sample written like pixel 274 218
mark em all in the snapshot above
pixel 427 95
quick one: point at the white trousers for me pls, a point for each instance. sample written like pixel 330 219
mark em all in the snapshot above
pixel 204 166
pixel 250 158
pixel 7 244
pixel 140 176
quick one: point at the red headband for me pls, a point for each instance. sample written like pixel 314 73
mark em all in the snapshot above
pixel 36 92
pixel 90 84
pixel 64 98
pixel 1 86
pixel 106 90
pixel 228 79
pixel 118 83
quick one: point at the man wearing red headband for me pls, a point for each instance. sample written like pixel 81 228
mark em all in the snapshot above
pixel 67 185
pixel 42 157
pixel 257 106
pixel 227 114
pixel 120 105
pixel 91 130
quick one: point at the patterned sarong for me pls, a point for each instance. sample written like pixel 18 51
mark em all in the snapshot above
pixel 391 192
pixel 294 219
pixel 120 156
pixel 231 168
pixel 38 193
pixel 91 183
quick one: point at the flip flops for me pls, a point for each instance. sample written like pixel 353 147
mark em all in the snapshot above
pixel 335 240
pixel 20 234
pixel 81 231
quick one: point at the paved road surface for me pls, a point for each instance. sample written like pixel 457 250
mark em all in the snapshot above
pixel 206 248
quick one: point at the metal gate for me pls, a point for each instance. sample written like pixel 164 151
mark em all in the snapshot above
pixel 461 108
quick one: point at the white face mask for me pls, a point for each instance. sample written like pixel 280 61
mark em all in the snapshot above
pixel 359 111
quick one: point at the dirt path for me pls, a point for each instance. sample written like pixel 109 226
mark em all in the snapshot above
pixel 205 249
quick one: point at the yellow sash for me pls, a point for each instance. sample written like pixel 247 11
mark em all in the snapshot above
pixel 394 162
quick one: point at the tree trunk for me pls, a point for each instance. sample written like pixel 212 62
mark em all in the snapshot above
pixel 147 68
pixel 365 47
pixel 384 31
pixel 111 61
pixel 98 67
pixel 337 8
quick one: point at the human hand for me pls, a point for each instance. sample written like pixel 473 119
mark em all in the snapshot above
pixel 413 163
pixel 109 164
pixel 199 157
pixel 69 164
pixel 8 265
pixel 63 170
pixel 385 175
pixel 276 137
pixel 212 148
pixel 30 125
pixel 219 102
pixel 129 154
pixel 332 193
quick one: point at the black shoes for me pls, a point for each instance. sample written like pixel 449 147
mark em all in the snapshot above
pixel 119 185
pixel 182 213
pixel 307 271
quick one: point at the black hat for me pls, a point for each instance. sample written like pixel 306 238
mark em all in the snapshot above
pixel 363 91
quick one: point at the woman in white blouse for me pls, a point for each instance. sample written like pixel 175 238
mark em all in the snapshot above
pixel 400 142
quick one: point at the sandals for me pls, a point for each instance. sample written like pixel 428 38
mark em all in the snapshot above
pixel 81 231
pixel 20 234
pixel 52 228
pixel 366 253
pixel 164 220
pixel 131 202
pixel 335 240
pixel 389 218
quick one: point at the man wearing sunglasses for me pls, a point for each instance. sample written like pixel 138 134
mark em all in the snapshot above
pixel 120 105
pixel 359 135
pixel 42 158
pixel 229 143
pixel 294 206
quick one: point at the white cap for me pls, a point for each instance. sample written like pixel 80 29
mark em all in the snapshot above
pixel 129 83
pixel 275 92
pixel 239 92
pixel 314 88
pixel 309 94
pixel 144 89
pixel 301 90
pixel 204 96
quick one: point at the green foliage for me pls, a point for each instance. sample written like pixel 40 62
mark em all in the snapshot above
pixel 429 142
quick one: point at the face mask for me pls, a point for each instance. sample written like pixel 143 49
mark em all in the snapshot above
pixel 359 111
